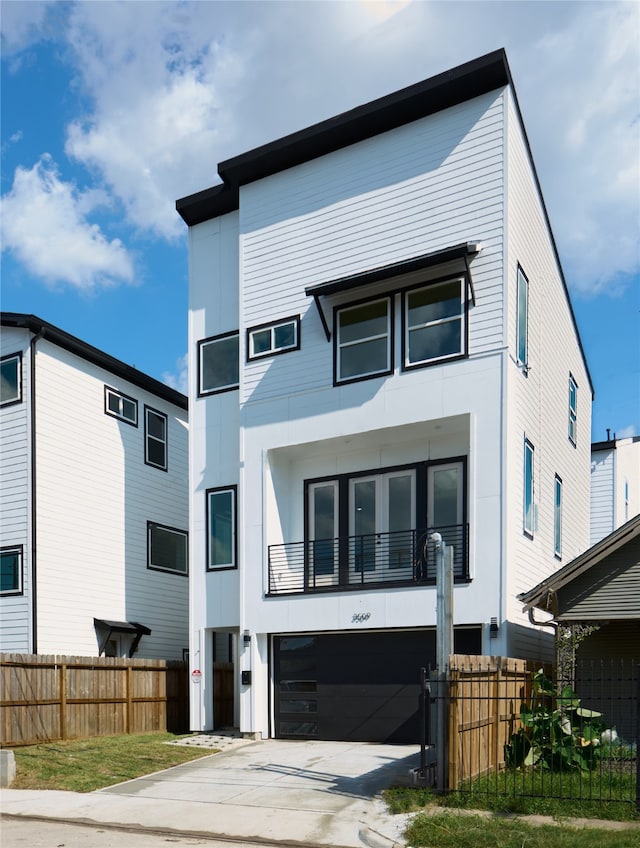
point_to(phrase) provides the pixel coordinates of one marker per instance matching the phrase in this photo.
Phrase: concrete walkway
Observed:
(275, 791)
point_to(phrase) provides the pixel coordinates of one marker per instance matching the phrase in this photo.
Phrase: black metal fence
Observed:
(524, 734)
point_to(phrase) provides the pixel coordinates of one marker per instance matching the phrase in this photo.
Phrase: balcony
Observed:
(376, 561)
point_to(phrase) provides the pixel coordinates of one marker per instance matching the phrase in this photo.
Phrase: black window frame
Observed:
(461, 278)
(233, 489)
(177, 531)
(19, 551)
(202, 343)
(148, 436)
(273, 325)
(120, 417)
(389, 297)
(18, 358)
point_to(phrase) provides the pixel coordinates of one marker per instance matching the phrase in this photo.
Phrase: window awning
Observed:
(110, 627)
(464, 251)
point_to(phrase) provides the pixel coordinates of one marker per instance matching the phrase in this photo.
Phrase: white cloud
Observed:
(45, 227)
(178, 379)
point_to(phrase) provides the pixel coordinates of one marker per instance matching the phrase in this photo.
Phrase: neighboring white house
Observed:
(382, 346)
(94, 505)
(615, 484)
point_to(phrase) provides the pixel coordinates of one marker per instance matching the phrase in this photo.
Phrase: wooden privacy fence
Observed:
(46, 698)
(485, 694)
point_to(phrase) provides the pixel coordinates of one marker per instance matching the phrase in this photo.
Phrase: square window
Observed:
(573, 410)
(155, 441)
(221, 528)
(219, 365)
(269, 339)
(10, 379)
(11, 570)
(120, 406)
(166, 548)
(435, 323)
(363, 341)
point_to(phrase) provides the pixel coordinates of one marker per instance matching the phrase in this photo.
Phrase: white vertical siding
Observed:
(538, 402)
(95, 495)
(602, 492)
(15, 497)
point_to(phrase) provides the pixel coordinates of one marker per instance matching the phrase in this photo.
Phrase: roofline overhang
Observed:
(53, 334)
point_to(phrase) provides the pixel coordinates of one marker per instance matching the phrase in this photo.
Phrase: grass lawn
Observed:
(83, 765)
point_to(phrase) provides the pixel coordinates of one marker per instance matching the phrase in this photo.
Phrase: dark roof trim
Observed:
(542, 596)
(599, 446)
(92, 354)
(388, 272)
(442, 91)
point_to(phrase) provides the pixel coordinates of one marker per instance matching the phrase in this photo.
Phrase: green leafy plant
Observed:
(560, 737)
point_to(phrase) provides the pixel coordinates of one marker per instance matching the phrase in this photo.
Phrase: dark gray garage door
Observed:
(358, 687)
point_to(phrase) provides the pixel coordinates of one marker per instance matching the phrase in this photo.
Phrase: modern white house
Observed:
(382, 346)
(94, 500)
(615, 484)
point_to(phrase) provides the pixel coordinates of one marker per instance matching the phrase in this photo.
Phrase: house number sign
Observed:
(360, 617)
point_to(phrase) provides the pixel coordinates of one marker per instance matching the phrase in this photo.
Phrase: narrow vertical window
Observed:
(221, 528)
(522, 329)
(528, 488)
(155, 441)
(557, 517)
(573, 410)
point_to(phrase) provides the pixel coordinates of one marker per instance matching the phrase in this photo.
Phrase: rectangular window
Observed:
(573, 410)
(269, 339)
(155, 438)
(11, 379)
(434, 323)
(219, 363)
(528, 488)
(11, 570)
(221, 528)
(557, 517)
(120, 406)
(363, 341)
(166, 548)
(522, 328)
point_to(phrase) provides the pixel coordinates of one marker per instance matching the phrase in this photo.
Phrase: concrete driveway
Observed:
(283, 792)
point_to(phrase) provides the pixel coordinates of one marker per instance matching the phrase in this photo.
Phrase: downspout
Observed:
(34, 535)
(552, 624)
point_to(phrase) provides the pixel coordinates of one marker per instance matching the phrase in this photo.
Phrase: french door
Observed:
(445, 507)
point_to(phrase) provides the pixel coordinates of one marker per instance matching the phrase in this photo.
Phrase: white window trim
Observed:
(8, 401)
(557, 516)
(182, 533)
(528, 489)
(205, 343)
(573, 410)
(461, 317)
(522, 284)
(340, 346)
(120, 397)
(271, 328)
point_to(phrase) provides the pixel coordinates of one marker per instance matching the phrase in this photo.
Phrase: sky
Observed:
(113, 110)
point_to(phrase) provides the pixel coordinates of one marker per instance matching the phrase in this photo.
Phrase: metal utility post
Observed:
(444, 649)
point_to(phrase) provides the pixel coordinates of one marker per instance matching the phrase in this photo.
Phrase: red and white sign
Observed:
(196, 675)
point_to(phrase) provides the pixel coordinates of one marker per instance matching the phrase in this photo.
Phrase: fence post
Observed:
(63, 700)
(129, 724)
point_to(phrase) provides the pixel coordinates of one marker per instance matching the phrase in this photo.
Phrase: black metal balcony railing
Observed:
(406, 558)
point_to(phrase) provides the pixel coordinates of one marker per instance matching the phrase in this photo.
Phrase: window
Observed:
(269, 339)
(155, 438)
(120, 406)
(434, 323)
(626, 500)
(11, 570)
(166, 548)
(573, 410)
(11, 379)
(522, 329)
(221, 528)
(528, 488)
(363, 341)
(557, 517)
(219, 364)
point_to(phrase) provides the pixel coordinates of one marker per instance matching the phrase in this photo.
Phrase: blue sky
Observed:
(112, 110)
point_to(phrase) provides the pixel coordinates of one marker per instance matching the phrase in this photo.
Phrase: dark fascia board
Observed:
(386, 113)
(207, 204)
(418, 263)
(600, 446)
(92, 354)
(540, 594)
(449, 88)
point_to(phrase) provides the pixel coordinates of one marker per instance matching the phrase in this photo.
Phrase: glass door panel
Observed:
(400, 513)
(365, 513)
(445, 512)
(323, 534)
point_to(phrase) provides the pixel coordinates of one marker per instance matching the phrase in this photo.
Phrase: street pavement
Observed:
(274, 791)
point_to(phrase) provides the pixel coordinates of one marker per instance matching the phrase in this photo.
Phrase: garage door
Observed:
(359, 687)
